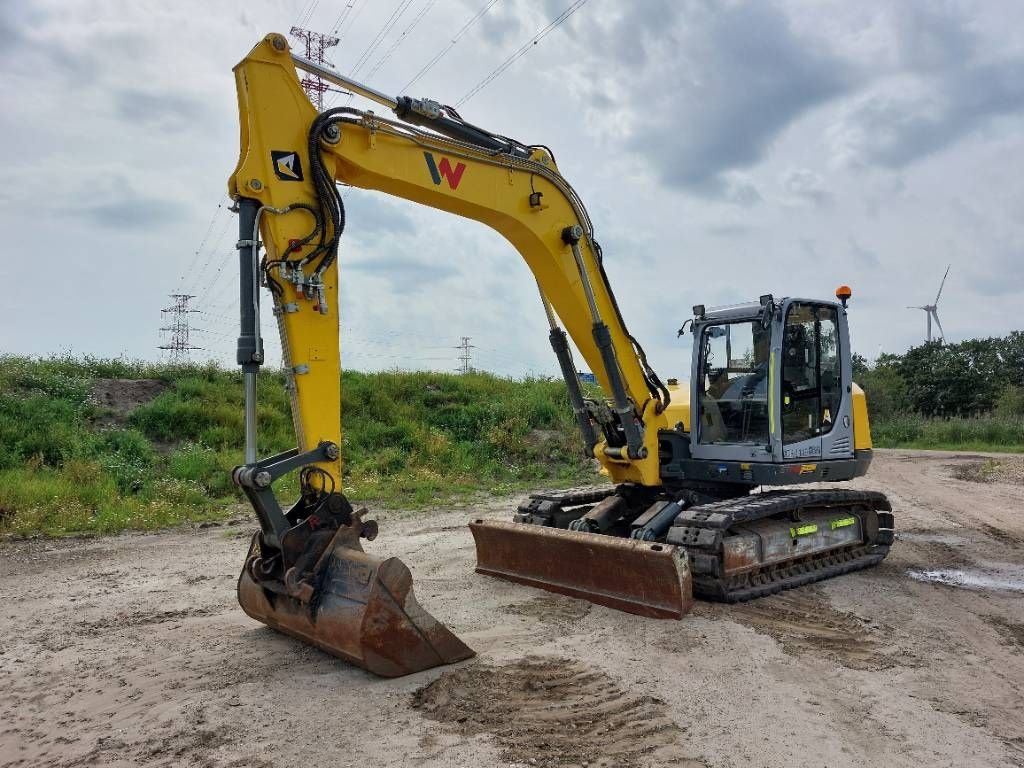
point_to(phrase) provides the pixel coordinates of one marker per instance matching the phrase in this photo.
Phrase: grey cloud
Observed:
(172, 112)
(503, 25)
(733, 190)
(729, 230)
(405, 274)
(863, 257)
(804, 185)
(31, 47)
(931, 36)
(369, 216)
(28, 51)
(736, 77)
(1002, 274)
(951, 87)
(132, 212)
(809, 248)
(10, 29)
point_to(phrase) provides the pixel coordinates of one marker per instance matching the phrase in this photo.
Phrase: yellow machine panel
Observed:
(861, 424)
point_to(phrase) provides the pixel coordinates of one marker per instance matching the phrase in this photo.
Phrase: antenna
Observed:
(465, 357)
(932, 310)
(316, 46)
(178, 345)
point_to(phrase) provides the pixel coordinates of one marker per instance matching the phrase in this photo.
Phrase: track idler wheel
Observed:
(353, 605)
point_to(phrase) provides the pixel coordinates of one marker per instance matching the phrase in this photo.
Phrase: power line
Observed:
(202, 243)
(443, 52)
(344, 16)
(398, 41)
(197, 278)
(521, 51)
(216, 278)
(374, 44)
(306, 15)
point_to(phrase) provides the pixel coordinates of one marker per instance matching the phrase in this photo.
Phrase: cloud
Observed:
(810, 249)
(729, 230)
(1001, 274)
(702, 135)
(172, 112)
(948, 86)
(733, 188)
(803, 185)
(503, 26)
(723, 82)
(862, 257)
(405, 274)
(371, 216)
(130, 212)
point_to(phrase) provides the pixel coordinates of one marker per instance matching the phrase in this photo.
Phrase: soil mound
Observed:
(122, 396)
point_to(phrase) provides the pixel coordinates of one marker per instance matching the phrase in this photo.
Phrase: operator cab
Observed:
(771, 385)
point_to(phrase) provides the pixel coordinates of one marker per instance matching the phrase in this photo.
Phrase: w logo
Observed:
(452, 175)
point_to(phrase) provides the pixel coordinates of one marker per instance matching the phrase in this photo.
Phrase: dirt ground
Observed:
(132, 651)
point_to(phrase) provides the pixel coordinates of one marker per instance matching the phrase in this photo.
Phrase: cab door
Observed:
(813, 398)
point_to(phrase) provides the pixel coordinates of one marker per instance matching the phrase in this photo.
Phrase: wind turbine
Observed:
(932, 310)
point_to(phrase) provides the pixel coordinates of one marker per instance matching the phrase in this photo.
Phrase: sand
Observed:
(131, 650)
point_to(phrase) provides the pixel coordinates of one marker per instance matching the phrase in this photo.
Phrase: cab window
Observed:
(733, 383)
(811, 375)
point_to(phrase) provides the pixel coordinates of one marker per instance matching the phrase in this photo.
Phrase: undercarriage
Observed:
(731, 549)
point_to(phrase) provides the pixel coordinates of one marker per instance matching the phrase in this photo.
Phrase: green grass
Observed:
(67, 465)
(979, 433)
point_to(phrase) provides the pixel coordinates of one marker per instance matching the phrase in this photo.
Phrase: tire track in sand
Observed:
(549, 712)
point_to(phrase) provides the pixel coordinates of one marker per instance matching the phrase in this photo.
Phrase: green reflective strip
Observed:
(803, 530)
(843, 522)
(771, 395)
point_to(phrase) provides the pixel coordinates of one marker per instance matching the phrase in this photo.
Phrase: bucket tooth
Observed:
(355, 606)
(639, 577)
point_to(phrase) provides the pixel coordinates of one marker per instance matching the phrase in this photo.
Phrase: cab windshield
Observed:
(733, 383)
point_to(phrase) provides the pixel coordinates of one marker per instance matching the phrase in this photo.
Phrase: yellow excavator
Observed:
(771, 401)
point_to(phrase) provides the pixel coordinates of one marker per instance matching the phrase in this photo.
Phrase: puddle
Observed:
(949, 539)
(1000, 576)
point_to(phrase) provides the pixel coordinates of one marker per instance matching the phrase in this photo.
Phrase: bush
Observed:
(1011, 402)
(886, 392)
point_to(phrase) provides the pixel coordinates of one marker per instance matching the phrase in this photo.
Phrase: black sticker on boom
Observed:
(287, 166)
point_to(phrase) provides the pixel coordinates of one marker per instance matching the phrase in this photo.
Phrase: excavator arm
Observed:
(306, 573)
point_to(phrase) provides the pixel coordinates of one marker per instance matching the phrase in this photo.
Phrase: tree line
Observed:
(971, 378)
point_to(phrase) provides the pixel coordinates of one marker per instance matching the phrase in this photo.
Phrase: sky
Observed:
(724, 150)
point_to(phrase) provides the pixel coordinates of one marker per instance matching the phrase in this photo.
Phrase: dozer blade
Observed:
(638, 577)
(355, 606)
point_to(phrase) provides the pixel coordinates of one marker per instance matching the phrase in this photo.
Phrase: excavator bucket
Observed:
(355, 606)
(640, 577)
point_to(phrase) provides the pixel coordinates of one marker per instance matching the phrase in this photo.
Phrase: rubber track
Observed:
(781, 576)
(758, 506)
(777, 578)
